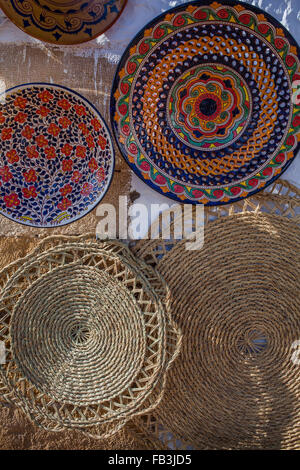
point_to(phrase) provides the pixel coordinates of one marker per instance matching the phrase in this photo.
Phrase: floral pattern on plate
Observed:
(56, 155)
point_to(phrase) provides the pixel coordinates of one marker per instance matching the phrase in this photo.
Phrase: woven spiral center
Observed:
(78, 335)
(253, 342)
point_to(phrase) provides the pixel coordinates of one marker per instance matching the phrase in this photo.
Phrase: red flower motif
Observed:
(11, 200)
(2, 118)
(253, 182)
(67, 150)
(64, 204)
(64, 104)
(131, 68)
(160, 180)
(50, 153)
(67, 165)
(197, 194)
(30, 176)
(43, 111)
(126, 129)
(93, 165)
(53, 129)
(143, 48)
(20, 102)
(90, 141)
(145, 166)
(124, 86)
(218, 193)
(5, 174)
(29, 192)
(245, 19)
(28, 132)
(32, 151)
(123, 109)
(80, 151)
(235, 190)
(223, 13)
(6, 133)
(178, 189)
(263, 28)
(12, 156)
(83, 128)
(267, 171)
(41, 141)
(102, 142)
(80, 110)
(158, 33)
(290, 60)
(279, 43)
(296, 121)
(87, 188)
(21, 117)
(179, 21)
(96, 124)
(45, 96)
(64, 122)
(76, 177)
(280, 158)
(100, 175)
(290, 141)
(67, 189)
(133, 148)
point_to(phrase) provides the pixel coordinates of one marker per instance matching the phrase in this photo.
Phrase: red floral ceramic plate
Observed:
(57, 157)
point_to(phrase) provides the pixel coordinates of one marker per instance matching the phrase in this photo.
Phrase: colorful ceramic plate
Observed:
(63, 22)
(204, 103)
(56, 155)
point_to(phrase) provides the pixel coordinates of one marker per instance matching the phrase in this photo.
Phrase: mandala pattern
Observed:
(56, 159)
(68, 22)
(209, 106)
(205, 106)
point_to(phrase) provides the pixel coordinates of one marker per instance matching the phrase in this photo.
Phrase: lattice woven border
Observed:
(64, 254)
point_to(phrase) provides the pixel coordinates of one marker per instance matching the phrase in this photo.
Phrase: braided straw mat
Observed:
(236, 300)
(94, 346)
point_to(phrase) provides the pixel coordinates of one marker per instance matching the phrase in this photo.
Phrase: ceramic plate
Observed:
(57, 157)
(63, 22)
(204, 104)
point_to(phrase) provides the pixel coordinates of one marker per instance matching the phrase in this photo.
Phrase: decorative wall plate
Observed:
(204, 104)
(56, 155)
(63, 22)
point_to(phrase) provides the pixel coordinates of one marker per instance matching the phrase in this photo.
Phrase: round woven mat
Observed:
(96, 341)
(236, 383)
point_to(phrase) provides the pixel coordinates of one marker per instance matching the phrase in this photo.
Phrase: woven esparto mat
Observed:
(97, 340)
(236, 382)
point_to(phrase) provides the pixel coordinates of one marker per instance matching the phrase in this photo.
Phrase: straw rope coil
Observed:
(88, 340)
(236, 383)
